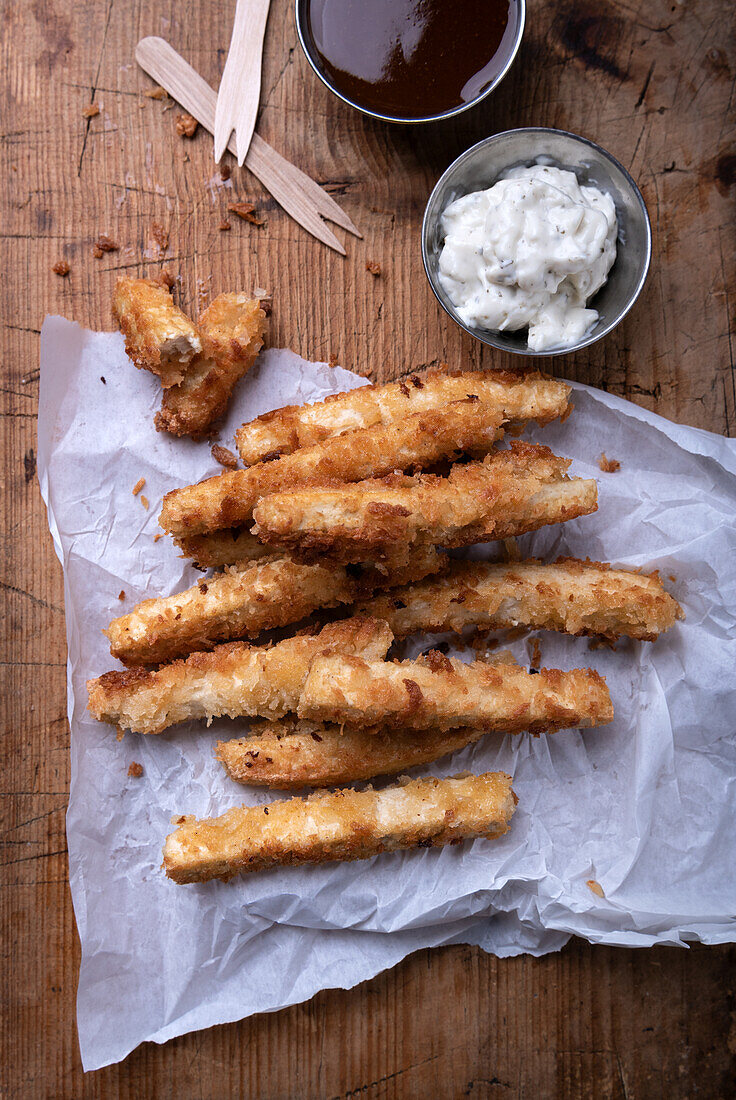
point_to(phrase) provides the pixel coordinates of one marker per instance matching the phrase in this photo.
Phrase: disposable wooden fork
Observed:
(240, 87)
(302, 198)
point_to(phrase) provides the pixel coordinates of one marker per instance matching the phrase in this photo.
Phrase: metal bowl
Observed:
(480, 166)
(507, 51)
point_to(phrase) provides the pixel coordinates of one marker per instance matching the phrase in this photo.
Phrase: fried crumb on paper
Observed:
(608, 465)
(595, 887)
(121, 594)
(144, 502)
(138, 486)
(224, 456)
(135, 770)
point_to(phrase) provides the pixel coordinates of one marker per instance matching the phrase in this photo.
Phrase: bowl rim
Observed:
(303, 41)
(484, 335)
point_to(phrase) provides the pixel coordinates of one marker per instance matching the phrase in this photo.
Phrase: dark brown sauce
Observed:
(412, 58)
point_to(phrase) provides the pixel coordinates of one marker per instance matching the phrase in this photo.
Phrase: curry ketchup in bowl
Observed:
(410, 60)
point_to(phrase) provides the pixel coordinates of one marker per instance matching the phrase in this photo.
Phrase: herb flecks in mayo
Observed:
(530, 251)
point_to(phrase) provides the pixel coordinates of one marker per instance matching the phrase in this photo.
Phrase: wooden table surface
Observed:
(652, 82)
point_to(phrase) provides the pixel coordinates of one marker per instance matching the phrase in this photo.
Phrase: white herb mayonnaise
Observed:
(529, 251)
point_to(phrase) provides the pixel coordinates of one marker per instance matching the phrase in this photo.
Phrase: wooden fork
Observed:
(240, 87)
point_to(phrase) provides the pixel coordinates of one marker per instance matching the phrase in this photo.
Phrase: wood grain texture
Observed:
(653, 82)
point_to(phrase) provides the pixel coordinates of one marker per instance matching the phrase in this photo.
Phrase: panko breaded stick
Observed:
(342, 825)
(512, 396)
(228, 500)
(439, 693)
(575, 597)
(287, 755)
(234, 680)
(241, 603)
(509, 493)
(232, 331)
(230, 546)
(158, 336)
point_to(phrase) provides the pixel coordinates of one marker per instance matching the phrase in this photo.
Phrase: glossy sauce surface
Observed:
(412, 58)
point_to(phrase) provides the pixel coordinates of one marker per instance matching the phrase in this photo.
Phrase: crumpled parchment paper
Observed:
(645, 807)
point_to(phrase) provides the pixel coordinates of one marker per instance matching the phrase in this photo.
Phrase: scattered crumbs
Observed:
(103, 380)
(104, 244)
(373, 267)
(224, 456)
(225, 171)
(160, 535)
(138, 486)
(135, 770)
(61, 267)
(246, 211)
(595, 887)
(155, 93)
(511, 547)
(536, 653)
(332, 361)
(144, 502)
(608, 465)
(160, 238)
(121, 594)
(186, 125)
(224, 227)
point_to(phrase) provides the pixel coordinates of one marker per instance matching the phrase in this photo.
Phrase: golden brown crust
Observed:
(576, 597)
(290, 754)
(234, 679)
(418, 441)
(229, 546)
(510, 492)
(420, 695)
(232, 331)
(243, 602)
(158, 336)
(512, 396)
(341, 825)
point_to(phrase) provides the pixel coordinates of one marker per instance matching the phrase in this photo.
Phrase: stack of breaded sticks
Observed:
(352, 503)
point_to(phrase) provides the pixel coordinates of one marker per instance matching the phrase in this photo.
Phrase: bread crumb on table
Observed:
(186, 125)
(104, 244)
(61, 267)
(155, 93)
(160, 237)
(224, 456)
(224, 227)
(138, 486)
(246, 211)
(373, 267)
(332, 361)
(91, 111)
(135, 770)
(608, 465)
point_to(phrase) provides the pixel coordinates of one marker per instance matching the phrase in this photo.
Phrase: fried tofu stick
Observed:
(230, 546)
(228, 500)
(287, 755)
(241, 603)
(439, 693)
(512, 396)
(158, 336)
(342, 825)
(575, 597)
(511, 492)
(235, 680)
(232, 330)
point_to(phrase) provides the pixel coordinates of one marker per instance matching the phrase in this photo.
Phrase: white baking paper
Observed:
(645, 807)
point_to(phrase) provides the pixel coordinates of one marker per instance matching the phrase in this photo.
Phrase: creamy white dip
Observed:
(530, 251)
